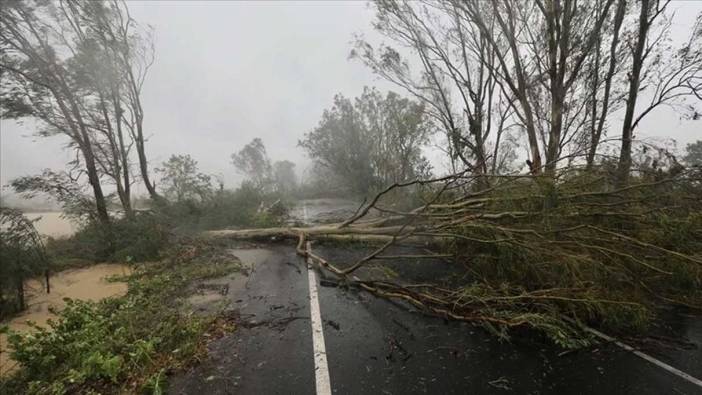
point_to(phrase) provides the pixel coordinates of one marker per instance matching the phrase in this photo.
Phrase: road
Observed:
(374, 346)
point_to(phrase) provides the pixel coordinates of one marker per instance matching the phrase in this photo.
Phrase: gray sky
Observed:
(227, 72)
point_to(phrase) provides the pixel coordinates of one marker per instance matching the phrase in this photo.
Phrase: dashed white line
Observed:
(321, 369)
(657, 362)
(323, 384)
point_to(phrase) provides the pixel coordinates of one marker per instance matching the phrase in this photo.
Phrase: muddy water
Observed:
(85, 284)
(52, 224)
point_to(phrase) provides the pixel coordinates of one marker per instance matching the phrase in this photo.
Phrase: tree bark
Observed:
(624, 167)
(597, 133)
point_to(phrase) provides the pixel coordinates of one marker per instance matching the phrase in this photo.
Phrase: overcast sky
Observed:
(227, 72)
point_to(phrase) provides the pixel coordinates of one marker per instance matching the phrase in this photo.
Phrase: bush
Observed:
(224, 209)
(138, 238)
(120, 344)
(22, 256)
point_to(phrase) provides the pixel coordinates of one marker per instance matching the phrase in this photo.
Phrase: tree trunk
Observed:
(20, 293)
(124, 157)
(597, 135)
(634, 80)
(144, 167)
(94, 180)
(139, 137)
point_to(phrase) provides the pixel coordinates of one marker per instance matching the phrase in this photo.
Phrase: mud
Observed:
(89, 283)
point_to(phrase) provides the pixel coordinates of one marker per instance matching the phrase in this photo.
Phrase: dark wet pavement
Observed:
(378, 347)
(271, 350)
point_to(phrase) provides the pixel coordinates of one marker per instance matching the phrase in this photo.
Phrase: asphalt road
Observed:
(376, 347)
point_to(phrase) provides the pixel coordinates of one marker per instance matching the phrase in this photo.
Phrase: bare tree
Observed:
(668, 76)
(456, 62)
(545, 77)
(602, 101)
(485, 53)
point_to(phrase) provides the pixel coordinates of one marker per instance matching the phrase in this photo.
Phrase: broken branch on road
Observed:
(533, 251)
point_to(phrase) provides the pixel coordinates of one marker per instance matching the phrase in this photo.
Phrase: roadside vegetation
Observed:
(129, 343)
(552, 211)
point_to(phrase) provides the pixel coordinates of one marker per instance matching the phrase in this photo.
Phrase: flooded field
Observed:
(52, 224)
(88, 283)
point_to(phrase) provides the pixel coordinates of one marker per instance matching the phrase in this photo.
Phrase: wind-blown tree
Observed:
(544, 75)
(64, 188)
(371, 142)
(284, 177)
(66, 65)
(693, 154)
(116, 56)
(181, 180)
(38, 81)
(130, 50)
(253, 162)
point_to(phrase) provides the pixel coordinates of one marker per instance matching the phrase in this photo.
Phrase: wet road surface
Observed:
(375, 346)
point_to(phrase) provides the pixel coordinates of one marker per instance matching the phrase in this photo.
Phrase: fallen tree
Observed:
(533, 251)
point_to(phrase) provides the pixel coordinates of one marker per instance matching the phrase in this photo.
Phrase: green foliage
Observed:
(693, 155)
(181, 181)
(119, 343)
(284, 177)
(63, 188)
(371, 142)
(140, 237)
(226, 208)
(551, 253)
(22, 255)
(253, 162)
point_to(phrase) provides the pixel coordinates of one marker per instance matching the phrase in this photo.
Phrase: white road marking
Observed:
(321, 369)
(320, 354)
(647, 357)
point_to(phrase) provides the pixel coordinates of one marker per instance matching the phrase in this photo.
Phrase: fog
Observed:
(226, 72)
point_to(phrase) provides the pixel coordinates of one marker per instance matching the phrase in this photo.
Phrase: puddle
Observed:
(85, 284)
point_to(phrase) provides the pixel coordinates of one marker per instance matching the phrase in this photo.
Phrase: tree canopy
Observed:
(371, 141)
